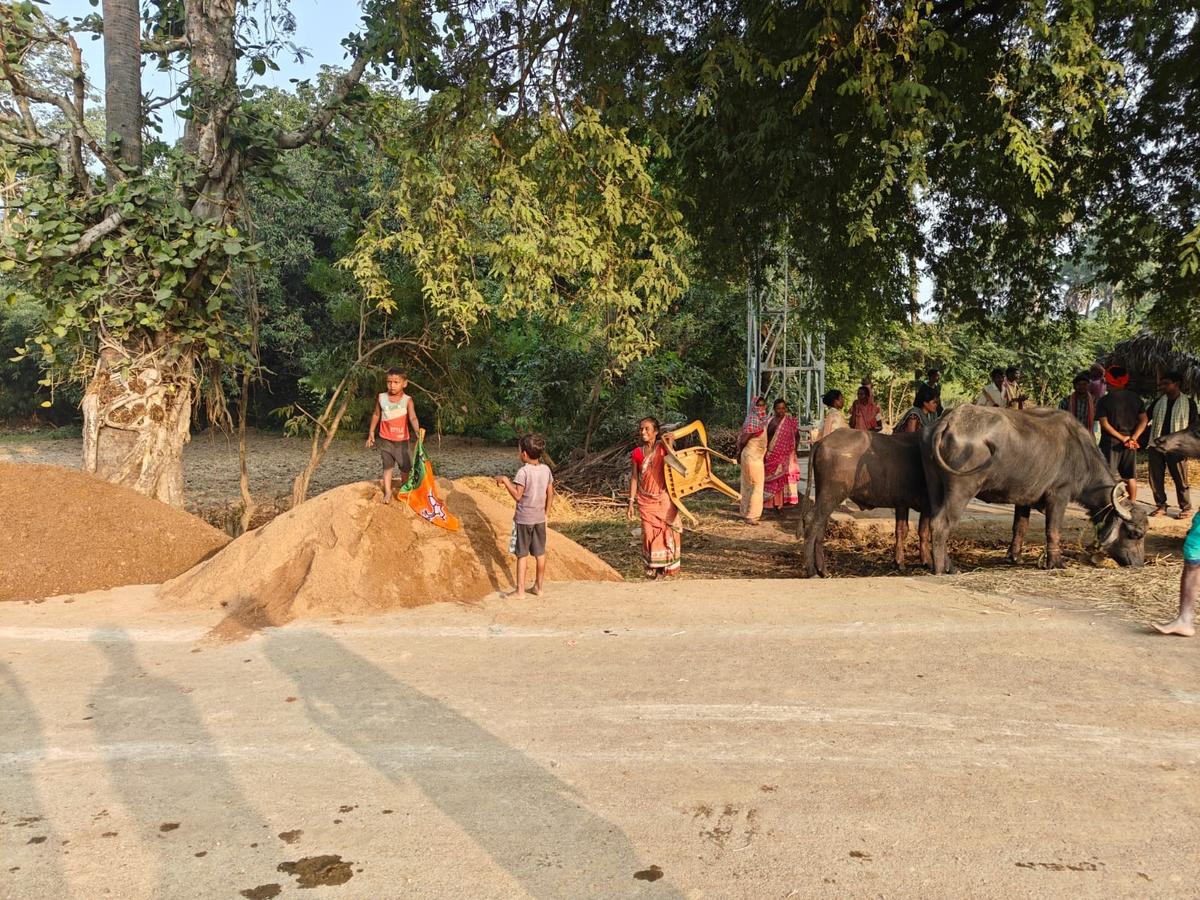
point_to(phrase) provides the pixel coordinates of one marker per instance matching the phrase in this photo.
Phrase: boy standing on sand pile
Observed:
(396, 418)
(533, 489)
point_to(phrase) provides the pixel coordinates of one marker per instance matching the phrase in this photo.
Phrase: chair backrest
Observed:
(698, 472)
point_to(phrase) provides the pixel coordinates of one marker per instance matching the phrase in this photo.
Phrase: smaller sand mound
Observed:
(66, 532)
(344, 552)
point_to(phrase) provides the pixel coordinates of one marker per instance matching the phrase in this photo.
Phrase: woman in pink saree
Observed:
(662, 530)
(780, 465)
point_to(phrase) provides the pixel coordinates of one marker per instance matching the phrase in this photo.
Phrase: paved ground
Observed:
(897, 737)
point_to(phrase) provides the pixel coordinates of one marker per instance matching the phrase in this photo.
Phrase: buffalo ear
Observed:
(1120, 501)
(1106, 535)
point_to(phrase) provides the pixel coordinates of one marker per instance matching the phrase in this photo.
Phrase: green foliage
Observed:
(571, 228)
(1049, 353)
(162, 272)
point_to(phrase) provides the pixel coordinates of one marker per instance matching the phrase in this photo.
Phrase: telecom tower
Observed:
(783, 358)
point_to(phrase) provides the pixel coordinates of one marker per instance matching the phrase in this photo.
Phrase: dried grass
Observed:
(719, 548)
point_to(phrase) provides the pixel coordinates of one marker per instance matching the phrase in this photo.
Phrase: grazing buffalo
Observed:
(1181, 443)
(1036, 459)
(873, 470)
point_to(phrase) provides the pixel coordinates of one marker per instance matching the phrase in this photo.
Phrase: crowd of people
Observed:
(768, 448)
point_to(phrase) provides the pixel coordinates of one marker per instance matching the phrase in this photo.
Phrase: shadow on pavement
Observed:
(167, 771)
(532, 824)
(29, 844)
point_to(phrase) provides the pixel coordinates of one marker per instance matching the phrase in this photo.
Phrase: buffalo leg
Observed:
(901, 535)
(1020, 526)
(814, 531)
(954, 500)
(1055, 509)
(923, 537)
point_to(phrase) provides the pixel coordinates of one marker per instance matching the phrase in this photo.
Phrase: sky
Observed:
(320, 27)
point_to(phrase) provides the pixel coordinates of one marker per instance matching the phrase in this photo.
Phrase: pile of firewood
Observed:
(604, 473)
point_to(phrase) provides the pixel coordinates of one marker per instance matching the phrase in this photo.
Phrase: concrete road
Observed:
(874, 738)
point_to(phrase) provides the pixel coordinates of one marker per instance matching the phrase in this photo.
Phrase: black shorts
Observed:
(394, 453)
(530, 540)
(1121, 460)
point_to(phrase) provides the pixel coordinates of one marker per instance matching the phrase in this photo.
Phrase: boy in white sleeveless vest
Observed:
(395, 417)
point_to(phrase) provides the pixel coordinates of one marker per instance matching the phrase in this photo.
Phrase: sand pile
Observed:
(343, 552)
(564, 509)
(65, 532)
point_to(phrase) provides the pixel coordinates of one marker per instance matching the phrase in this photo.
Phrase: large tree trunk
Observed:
(213, 70)
(123, 78)
(136, 415)
(137, 408)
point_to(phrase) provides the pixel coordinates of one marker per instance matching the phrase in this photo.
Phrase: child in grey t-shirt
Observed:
(533, 489)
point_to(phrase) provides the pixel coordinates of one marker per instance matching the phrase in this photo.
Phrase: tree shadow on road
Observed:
(532, 824)
(29, 844)
(167, 770)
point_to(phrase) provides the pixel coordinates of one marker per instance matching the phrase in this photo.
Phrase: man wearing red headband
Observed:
(1122, 417)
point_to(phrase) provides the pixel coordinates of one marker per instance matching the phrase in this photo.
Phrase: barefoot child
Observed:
(396, 417)
(1189, 585)
(533, 489)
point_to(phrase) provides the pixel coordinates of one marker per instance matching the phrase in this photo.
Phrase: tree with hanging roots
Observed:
(135, 257)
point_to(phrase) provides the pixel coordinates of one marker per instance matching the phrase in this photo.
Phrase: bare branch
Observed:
(165, 46)
(105, 226)
(19, 140)
(164, 101)
(290, 140)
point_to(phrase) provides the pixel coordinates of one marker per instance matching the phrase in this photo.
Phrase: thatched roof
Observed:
(1148, 356)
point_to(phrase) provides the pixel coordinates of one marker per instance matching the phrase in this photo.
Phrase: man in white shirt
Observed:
(994, 393)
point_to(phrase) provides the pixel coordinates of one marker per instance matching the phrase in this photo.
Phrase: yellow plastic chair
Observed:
(689, 470)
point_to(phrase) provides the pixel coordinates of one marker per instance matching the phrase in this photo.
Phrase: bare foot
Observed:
(1185, 513)
(387, 498)
(1180, 626)
(1158, 511)
(513, 595)
(536, 590)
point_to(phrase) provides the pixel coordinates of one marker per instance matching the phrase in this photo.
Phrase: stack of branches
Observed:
(600, 476)
(604, 475)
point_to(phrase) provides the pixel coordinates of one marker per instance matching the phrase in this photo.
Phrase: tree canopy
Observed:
(587, 181)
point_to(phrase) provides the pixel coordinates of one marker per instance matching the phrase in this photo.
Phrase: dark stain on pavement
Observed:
(651, 874)
(290, 837)
(318, 871)
(262, 892)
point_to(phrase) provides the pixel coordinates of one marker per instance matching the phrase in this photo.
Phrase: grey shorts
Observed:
(529, 540)
(394, 453)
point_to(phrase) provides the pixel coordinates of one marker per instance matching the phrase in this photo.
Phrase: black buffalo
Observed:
(873, 470)
(1181, 443)
(1035, 459)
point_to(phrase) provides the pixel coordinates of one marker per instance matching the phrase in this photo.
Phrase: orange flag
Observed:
(422, 497)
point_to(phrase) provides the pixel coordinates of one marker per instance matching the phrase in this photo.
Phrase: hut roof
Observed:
(1148, 356)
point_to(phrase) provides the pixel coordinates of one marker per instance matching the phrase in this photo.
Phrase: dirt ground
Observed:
(720, 545)
(211, 465)
(869, 737)
(1004, 732)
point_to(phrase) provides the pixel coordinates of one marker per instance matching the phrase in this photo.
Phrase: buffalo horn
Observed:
(1120, 501)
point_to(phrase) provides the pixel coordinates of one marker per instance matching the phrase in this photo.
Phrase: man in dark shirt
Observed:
(1122, 417)
(1171, 412)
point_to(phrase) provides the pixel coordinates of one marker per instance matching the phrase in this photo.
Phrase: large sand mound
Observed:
(63, 531)
(344, 552)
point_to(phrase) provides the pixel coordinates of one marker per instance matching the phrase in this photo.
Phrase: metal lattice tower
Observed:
(783, 358)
